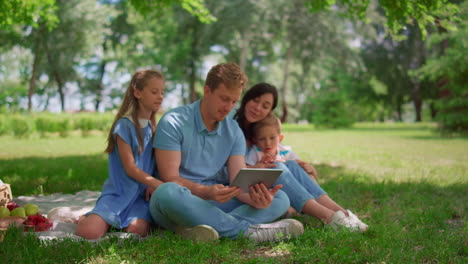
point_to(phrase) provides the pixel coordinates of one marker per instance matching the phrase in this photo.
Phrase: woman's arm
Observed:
(309, 169)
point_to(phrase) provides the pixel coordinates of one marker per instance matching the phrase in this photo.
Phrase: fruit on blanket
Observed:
(37, 223)
(12, 205)
(31, 209)
(19, 211)
(4, 212)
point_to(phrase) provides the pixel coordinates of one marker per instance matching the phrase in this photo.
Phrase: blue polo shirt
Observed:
(204, 153)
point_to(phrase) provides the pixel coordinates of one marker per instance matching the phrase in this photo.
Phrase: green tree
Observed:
(26, 12)
(448, 67)
(399, 13)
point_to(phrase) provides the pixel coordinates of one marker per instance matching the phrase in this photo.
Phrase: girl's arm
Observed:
(128, 161)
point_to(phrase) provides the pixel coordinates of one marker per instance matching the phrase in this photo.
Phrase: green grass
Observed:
(403, 180)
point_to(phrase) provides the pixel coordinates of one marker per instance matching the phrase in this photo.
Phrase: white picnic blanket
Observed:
(64, 210)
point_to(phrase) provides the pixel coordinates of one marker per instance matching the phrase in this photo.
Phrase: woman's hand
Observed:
(260, 196)
(309, 169)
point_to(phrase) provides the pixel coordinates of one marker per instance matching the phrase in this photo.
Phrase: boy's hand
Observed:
(221, 193)
(261, 165)
(268, 158)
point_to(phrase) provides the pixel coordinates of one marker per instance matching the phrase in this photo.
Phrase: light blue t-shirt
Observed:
(204, 153)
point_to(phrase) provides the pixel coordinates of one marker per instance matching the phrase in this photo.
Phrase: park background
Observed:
(372, 93)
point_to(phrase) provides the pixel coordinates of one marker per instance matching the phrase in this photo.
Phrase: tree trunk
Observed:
(399, 113)
(100, 85)
(32, 81)
(417, 102)
(57, 78)
(433, 111)
(193, 61)
(284, 86)
(244, 48)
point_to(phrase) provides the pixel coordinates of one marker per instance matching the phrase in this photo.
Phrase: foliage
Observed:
(330, 109)
(20, 12)
(194, 7)
(21, 126)
(449, 69)
(399, 13)
(47, 123)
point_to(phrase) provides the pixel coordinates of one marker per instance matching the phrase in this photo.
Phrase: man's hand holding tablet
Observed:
(250, 176)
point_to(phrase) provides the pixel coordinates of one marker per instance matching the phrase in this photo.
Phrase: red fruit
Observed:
(42, 226)
(12, 205)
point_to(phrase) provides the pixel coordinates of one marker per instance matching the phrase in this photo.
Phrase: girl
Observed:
(123, 202)
(305, 194)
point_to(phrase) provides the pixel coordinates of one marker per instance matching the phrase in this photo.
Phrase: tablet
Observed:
(249, 176)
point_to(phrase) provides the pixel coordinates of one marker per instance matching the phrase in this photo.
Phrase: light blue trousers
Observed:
(172, 205)
(297, 184)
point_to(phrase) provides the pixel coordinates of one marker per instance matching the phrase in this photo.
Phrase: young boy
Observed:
(267, 137)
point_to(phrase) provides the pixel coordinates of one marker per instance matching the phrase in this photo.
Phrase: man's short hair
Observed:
(229, 74)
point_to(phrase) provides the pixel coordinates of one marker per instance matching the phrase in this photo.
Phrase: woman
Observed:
(305, 194)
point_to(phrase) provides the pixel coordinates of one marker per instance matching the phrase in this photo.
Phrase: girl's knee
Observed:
(91, 227)
(139, 227)
(89, 232)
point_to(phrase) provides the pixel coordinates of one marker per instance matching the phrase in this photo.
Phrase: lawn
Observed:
(405, 181)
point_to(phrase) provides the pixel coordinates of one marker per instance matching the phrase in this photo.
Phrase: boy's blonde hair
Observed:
(269, 120)
(229, 74)
(130, 106)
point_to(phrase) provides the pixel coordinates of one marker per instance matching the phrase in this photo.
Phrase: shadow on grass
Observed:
(410, 222)
(366, 195)
(67, 174)
(438, 136)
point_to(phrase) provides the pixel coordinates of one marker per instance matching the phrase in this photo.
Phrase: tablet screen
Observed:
(250, 176)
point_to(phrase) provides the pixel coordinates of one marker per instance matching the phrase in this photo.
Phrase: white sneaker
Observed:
(280, 230)
(339, 219)
(199, 233)
(362, 227)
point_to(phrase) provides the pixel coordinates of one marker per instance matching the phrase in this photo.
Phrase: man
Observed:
(192, 144)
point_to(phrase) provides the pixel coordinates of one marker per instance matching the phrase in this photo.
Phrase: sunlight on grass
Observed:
(399, 155)
(407, 183)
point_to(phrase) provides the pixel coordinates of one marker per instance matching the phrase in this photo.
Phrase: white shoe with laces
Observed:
(362, 227)
(198, 233)
(280, 230)
(339, 219)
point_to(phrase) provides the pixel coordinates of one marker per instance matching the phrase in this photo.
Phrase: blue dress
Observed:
(123, 198)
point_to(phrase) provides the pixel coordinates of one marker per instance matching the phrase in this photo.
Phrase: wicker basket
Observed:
(5, 194)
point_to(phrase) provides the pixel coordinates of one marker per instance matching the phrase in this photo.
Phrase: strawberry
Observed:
(12, 205)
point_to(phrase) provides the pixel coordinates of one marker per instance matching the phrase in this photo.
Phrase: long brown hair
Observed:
(130, 106)
(257, 90)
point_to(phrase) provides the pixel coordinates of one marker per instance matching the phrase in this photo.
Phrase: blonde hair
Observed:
(228, 74)
(130, 106)
(269, 121)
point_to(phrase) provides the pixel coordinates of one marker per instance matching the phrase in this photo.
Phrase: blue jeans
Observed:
(172, 205)
(297, 184)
